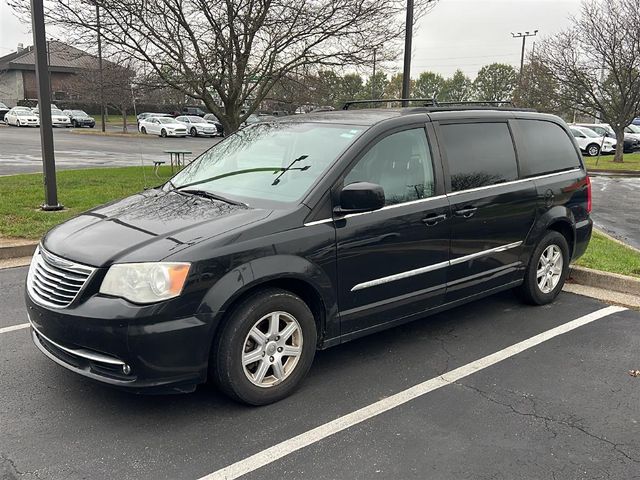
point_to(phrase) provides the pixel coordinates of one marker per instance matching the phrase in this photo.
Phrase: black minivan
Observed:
(303, 233)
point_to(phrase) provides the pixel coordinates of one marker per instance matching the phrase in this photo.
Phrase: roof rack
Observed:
(427, 102)
(433, 105)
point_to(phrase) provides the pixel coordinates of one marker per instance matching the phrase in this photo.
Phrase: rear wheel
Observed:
(265, 348)
(593, 150)
(547, 270)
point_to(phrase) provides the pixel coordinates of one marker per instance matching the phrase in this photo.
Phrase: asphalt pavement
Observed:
(616, 207)
(20, 150)
(565, 408)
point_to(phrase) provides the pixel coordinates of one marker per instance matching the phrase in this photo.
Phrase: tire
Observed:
(593, 150)
(193, 132)
(533, 290)
(163, 133)
(257, 383)
(143, 130)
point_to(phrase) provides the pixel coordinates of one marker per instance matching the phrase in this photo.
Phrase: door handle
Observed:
(466, 212)
(434, 219)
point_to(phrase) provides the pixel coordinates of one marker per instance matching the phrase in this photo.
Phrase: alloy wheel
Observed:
(549, 270)
(272, 349)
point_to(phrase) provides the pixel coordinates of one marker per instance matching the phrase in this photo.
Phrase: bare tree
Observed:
(597, 63)
(236, 50)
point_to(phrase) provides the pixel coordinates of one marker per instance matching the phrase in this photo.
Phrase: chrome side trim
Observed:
(435, 266)
(400, 276)
(466, 258)
(318, 222)
(514, 182)
(93, 356)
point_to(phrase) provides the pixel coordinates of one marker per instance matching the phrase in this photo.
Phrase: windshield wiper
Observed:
(290, 167)
(213, 196)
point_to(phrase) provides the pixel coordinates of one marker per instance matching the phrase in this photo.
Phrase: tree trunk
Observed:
(618, 158)
(124, 120)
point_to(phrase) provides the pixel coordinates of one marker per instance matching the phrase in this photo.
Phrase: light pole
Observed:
(408, 37)
(523, 36)
(102, 116)
(44, 108)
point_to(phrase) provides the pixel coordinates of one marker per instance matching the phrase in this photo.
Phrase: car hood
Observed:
(149, 226)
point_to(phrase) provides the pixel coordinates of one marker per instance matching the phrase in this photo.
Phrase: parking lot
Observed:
(20, 149)
(559, 406)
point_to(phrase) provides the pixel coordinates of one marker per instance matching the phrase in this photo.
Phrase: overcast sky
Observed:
(457, 33)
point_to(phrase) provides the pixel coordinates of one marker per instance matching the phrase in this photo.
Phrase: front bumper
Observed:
(124, 345)
(176, 133)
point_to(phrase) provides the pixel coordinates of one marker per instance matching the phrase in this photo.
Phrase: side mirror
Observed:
(360, 197)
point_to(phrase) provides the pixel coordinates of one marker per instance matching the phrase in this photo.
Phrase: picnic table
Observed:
(177, 156)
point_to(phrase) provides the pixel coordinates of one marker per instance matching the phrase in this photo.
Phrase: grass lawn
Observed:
(78, 190)
(117, 119)
(604, 254)
(631, 162)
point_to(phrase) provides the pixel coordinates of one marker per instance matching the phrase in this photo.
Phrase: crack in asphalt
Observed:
(570, 422)
(13, 472)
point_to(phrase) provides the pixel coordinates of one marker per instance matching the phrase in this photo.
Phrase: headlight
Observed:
(145, 282)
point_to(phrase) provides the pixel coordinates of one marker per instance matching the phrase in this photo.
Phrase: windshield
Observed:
(166, 120)
(2, 105)
(634, 128)
(56, 112)
(23, 113)
(195, 119)
(79, 113)
(277, 162)
(589, 133)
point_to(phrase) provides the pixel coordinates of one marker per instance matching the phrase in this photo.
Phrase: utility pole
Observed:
(44, 107)
(523, 36)
(102, 116)
(408, 37)
(373, 77)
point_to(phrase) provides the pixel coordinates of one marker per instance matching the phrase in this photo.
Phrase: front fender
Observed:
(261, 271)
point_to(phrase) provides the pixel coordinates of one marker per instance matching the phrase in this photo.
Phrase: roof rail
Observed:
(479, 103)
(427, 102)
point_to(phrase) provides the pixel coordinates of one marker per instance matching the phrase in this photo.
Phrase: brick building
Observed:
(18, 76)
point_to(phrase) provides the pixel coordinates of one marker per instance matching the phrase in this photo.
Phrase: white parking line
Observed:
(314, 435)
(14, 327)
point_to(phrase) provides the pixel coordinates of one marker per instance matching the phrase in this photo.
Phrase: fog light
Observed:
(126, 369)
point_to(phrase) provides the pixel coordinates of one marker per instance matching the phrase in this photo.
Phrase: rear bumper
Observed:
(583, 236)
(143, 354)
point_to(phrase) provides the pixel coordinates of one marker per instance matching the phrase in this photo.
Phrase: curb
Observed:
(25, 249)
(108, 134)
(613, 173)
(605, 280)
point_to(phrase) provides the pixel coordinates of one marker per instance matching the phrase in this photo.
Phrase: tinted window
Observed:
(401, 164)
(548, 148)
(479, 154)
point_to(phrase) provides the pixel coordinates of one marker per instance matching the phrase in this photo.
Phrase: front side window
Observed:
(400, 164)
(479, 154)
(269, 161)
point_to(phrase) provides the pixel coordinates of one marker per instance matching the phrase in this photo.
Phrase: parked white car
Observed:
(21, 117)
(163, 126)
(633, 131)
(590, 142)
(59, 119)
(197, 125)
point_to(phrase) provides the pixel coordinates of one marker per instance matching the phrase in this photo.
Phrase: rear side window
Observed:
(548, 148)
(479, 154)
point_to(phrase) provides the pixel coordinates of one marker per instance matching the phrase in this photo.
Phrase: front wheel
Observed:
(143, 130)
(593, 150)
(265, 348)
(194, 132)
(547, 270)
(163, 133)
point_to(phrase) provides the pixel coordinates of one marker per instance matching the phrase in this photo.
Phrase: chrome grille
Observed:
(54, 281)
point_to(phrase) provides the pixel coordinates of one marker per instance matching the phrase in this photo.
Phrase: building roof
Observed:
(62, 58)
